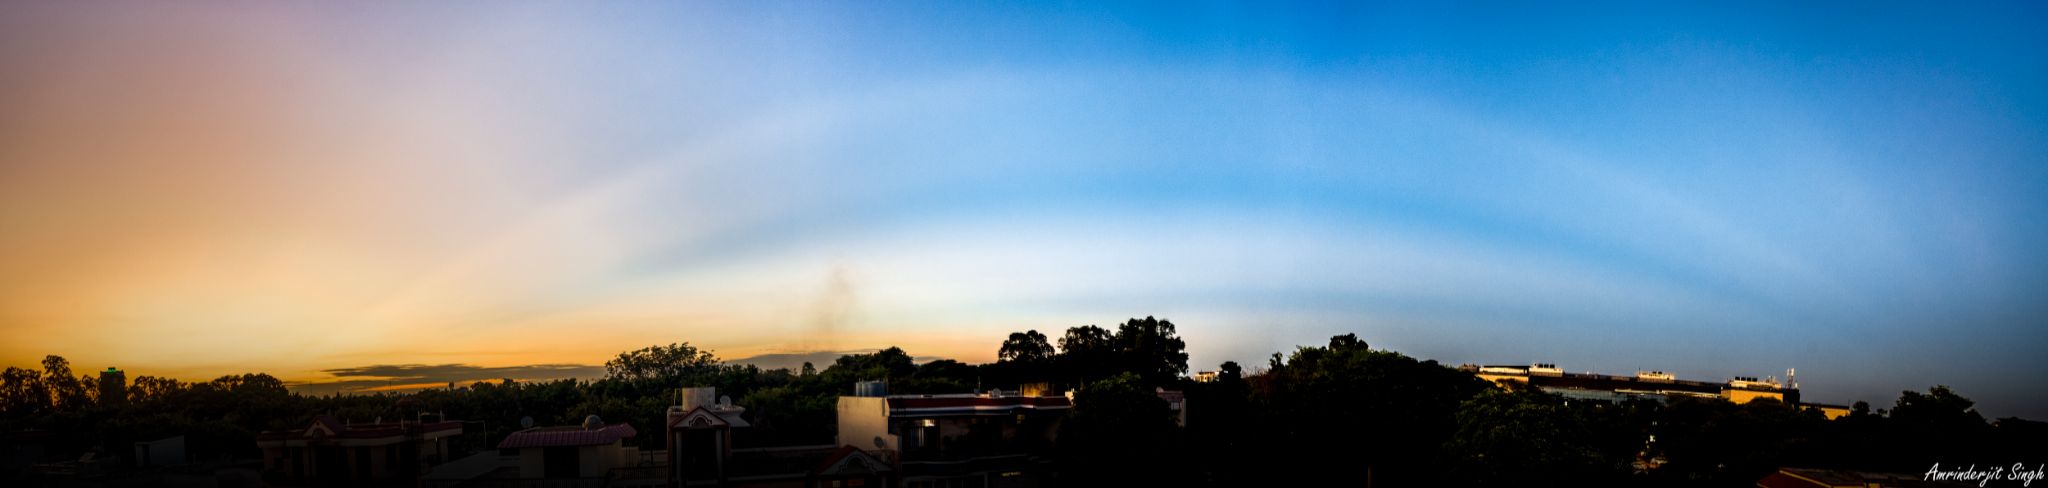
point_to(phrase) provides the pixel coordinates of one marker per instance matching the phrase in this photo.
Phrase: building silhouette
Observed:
(995, 438)
(330, 450)
(588, 451)
(1656, 386)
(113, 386)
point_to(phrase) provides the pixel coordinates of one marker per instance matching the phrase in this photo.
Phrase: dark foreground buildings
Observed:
(993, 439)
(331, 451)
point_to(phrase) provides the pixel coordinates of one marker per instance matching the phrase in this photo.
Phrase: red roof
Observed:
(843, 452)
(332, 424)
(567, 436)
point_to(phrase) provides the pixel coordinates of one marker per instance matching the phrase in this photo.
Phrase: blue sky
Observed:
(1853, 190)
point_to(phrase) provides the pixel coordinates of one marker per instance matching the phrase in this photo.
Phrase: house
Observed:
(331, 450)
(1644, 385)
(700, 435)
(585, 452)
(850, 467)
(1830, 411)
(986, 439)
(1176, 402)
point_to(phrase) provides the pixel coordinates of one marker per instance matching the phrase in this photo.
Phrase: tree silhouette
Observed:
(1028, 347)
(1024, 358)
(1118, 435)
(1230, 372)
(67, 391)
(1084, 351)
(879, 365)
(1334, 396)
(1529, 438)
(1151, 348)
(660, 363)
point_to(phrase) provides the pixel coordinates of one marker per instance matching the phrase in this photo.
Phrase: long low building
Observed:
(1644, 385)
(988, 439)
(589, 451)
(332, 450)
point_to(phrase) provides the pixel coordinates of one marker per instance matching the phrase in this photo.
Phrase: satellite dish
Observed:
(724, 401)
(881, 444)
(526, 422)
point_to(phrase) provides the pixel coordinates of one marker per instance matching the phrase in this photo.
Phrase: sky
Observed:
(377, 195)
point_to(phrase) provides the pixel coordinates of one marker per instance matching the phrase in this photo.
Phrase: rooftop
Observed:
(567, 436)
(725, 415)
(328, 426)
(972, 404)
(1643, 380)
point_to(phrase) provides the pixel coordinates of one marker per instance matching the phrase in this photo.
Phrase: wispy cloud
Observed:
(385, 377)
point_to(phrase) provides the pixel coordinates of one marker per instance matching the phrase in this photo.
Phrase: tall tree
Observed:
(1230, 372)
(22, 392)
(1028, 347)
(661, 363)
(1086, 351)
(1324, 396)
(1120, 434)
(1936, 423)
(885, 364)
(1347, 342)
(1026, 357)
(1939, 408)
(65, 389)
(1086, 339)
(1151, 348)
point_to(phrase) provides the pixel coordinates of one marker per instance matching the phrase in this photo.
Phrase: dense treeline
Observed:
(1340, 414)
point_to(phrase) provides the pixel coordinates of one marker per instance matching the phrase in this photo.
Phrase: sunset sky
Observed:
(331, 191)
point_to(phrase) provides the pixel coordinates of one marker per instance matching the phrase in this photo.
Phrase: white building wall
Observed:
(862, 420)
